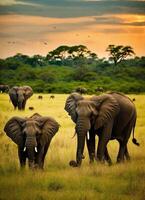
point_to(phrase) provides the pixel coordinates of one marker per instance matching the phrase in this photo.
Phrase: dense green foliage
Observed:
(72, 67)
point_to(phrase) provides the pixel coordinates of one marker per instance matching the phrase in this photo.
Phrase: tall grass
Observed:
(59, 181)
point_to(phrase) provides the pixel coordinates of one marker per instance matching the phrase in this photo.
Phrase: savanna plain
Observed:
(59, 181)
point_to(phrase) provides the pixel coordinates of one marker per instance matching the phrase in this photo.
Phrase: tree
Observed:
(79, 51)
(71, 54)
(119, 53)
(59, 53)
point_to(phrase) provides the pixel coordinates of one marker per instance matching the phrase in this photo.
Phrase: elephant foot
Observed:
(73, 163)
(119, 160)
(102, 161)
(38, 166)
(91, 161)
(110, 163)
(128, 158)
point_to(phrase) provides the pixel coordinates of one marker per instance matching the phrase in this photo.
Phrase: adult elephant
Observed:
(99, 89)
(19, 96)
(81, 90)
(4, 88)
(33, 136)
(110, 116)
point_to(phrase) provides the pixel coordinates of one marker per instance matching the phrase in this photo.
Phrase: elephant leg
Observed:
(123, 151)
(41, 156)
(22, 157)
(91, 145)
(127, 154)
(23, 105)
(107, 157)
(104, 138)
(38, 160)
(44, 154)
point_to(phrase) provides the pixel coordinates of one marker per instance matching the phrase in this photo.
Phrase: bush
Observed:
(126, 77)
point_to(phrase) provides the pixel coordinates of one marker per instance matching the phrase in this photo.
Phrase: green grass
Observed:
(59, 181)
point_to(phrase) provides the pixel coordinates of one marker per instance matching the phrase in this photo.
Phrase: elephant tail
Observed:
(134, 140)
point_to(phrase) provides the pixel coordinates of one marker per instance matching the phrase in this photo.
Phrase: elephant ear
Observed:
(71, 104)
(107, 107)
(13, 129)
(28, 91)
(13, 94)
(49, 128)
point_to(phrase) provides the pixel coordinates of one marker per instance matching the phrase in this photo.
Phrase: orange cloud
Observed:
(38, 35)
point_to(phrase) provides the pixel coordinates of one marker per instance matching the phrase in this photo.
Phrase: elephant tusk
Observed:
(88, 135)
(36, 150)
(24, 149)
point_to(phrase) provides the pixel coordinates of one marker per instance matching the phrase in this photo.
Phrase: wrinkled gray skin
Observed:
(110, 116)
(19, 96)
(33, 136)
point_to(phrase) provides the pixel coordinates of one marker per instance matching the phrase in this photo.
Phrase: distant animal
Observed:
(4, 88)
(99, 89)
(52, 97)
(19, 96)
(33, 136)
(40, 97)
(133, 99)
(81, 90)
(110, 116)
(31, 108)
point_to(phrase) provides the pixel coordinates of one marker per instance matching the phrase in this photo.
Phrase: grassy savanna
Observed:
(58, 180)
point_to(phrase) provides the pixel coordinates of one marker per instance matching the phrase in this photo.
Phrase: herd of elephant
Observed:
(109, 116)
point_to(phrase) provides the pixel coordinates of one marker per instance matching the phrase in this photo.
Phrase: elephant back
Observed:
(124, 101)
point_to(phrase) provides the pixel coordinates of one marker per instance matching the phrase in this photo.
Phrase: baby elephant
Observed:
(33, 136)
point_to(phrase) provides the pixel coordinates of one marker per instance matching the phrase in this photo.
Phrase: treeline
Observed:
(65, 68)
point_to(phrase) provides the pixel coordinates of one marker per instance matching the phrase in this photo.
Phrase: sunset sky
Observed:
(38, 26)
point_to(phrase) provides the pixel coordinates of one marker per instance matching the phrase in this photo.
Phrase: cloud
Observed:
(27, 24)
(67, 9)
(126, 19)
(33, 28)
(14, 2)
(108, 0)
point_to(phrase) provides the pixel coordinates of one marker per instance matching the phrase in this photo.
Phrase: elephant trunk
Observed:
(82, 127)
(20, 105)
(31, 148)
(20, 101)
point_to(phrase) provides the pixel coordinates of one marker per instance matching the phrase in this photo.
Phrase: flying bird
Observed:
(11, 42)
